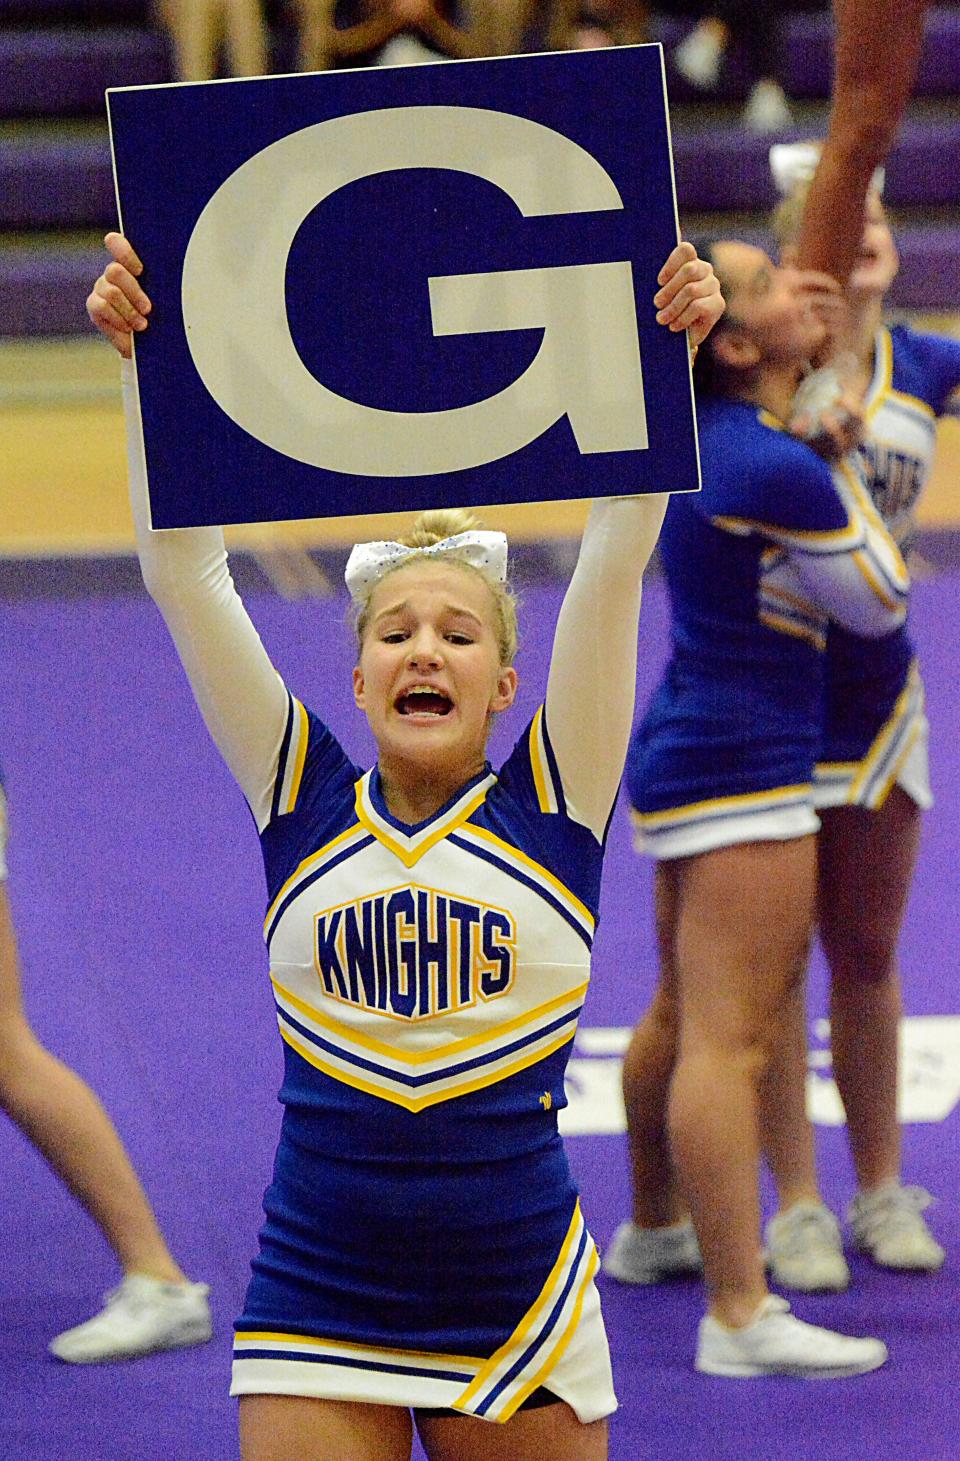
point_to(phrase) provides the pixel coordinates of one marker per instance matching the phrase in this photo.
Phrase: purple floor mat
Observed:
(137, 890)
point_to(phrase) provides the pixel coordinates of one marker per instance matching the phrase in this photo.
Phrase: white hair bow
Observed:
(368, 562)
(796, 162)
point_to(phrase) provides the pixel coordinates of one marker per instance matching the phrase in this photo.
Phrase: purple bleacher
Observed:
(65, 71)
(808, 57)
(75, 12)
(51, 180)
(68, 182)
(52, 183)
(939, 73)
(929, 269)
(929, 277)
(45, 294)
(725, 169)
(62, 73)
(923, 170)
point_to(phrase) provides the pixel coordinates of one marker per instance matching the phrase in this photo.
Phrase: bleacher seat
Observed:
(57, 57)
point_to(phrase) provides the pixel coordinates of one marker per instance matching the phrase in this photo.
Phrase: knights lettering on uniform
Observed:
(415, 953)
(895, 478)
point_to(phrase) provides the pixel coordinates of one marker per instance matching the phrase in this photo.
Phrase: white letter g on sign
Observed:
(235, 316)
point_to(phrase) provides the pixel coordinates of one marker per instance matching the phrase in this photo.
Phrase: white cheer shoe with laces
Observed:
(804, 1249)
(777, 1343)
(141, 1315)
(651, 1255)
(888, 1225)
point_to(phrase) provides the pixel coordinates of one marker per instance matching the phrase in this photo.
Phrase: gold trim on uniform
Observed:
(410, 849)
(441, 1052)
(650, 821)
(843, 783)
(308, 864)
(547, 797)
(536, 1341)
(490, 1076)
(542, 874)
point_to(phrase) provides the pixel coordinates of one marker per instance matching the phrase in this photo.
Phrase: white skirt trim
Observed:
(898, 756)
(560, 1342)
(762, 823)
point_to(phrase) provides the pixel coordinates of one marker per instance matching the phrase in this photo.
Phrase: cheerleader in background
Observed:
(720, 773)
(154, 1306)
(871, 787)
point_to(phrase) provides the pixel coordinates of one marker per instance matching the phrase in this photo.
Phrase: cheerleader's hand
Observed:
(689, 296)
(828, 413)
(117, 305)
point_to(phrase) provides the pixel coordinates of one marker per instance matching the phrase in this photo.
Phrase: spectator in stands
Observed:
(575, 25)
(757, 30)
(336, 33)
(154, 1306)
(199, 28)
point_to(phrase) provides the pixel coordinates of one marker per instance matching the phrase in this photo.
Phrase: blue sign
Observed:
(402, 288)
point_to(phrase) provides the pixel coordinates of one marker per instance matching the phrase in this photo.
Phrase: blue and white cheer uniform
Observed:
(755, 563)
(876, 729)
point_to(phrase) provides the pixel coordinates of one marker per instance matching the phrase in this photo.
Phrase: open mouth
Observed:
(424, 701)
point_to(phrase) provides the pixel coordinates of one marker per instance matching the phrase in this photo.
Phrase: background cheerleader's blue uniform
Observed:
(740, 707)
(914, 376)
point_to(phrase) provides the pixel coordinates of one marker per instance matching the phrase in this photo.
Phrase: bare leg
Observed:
(647, 1073)
(742, 936)
(295, 1428)
(246, 38)
(497, 27)
(877, 52)
(786, 1133)
(867, 859)
(196, 26)
(65, 1121)
(552, 1431)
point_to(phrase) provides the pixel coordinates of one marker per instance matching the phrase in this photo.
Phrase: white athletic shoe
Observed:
(887, 1224)
(650, 1255)
(804, 1249)
(698, 57)
(775, 1343)
(767, 109)
(139, 1316)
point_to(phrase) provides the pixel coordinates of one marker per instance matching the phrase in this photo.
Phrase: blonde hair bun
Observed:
(432, 527)
(439, 523)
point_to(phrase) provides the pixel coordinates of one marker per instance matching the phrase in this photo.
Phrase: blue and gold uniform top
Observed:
(428, 978)
(914, 376)
(739, 710)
